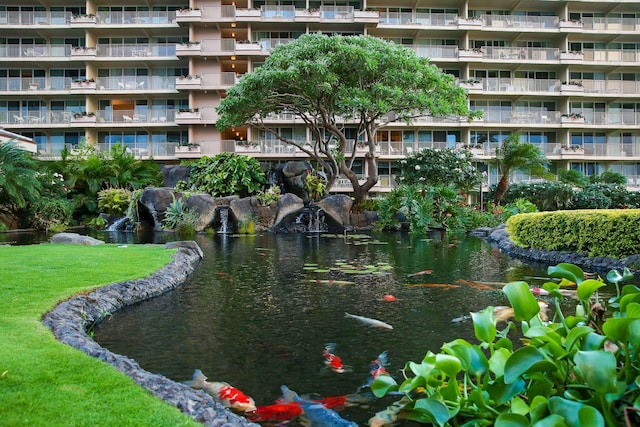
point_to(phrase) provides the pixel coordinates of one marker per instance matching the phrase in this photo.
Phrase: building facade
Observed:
(563, 74)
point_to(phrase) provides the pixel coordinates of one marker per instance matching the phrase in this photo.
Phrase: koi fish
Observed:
(503, 313)
(376, 368)
(431, 285)
(371, 322)
(565, 292)
(316, 414)
(420, 273)
(226, 394)
(390, 415)
(224, 275)
(476, 285)
(332, 361)
(275, 412)
(389, 297)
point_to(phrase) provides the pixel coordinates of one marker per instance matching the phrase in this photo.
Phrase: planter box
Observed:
(571, 56)
(188, 116)
(247, 148)
(572, 152)
(464, 23)
(188, 83)
(83, 85)
(572, 120)
(188, 149)
(83, 119)
(188, 49)
(472, 87)
(470, 54)
(83, 51)
(571, 89)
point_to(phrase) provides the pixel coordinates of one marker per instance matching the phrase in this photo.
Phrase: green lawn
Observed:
(46, 383)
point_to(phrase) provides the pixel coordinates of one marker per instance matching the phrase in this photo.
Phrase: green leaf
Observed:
(478, 363)
(450, 365)
(575, 334)
(383, 385)
(434, 409)
(588, 287)
(576, 414)
(524, 304)
(511, 420)
(483, 325)
(498, 360)
(553, 420)
(597, 369)
(614, 276)
(567, 271)
(502, 392)
(526, 360)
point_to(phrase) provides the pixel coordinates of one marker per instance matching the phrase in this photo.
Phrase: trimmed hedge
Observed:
(606, 232)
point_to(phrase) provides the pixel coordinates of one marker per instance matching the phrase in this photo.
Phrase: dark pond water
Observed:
(253, 316)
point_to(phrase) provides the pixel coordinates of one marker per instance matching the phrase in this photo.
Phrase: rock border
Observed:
(499, 237)
(70, 319)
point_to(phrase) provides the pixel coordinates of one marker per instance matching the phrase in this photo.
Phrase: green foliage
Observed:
(514, 154)
(590, 199)
(547, 195)
(49, 214)
(179, 218)
(518, 206)
(227, 174)
(572, 177)
(618, 194)
(87, 171)
(604, 232)
(247, 225)
(315, 186)
(269, 196)
(326, 79)
(18, 181)
(438, 168)
(99, 222)
(608, 177)
(409, 202)
(575, 370)
(132, 209)
(114, 201)
(372, 204)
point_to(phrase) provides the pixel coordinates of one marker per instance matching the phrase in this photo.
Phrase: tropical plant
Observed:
(518, 206)
(50, 214)
(546, 195)
(608, 177)
(576, 370)
(408, 202)
(227, 174)
(324, 80)
(247, 225)
(179, 218)
(269, 196)
(114, 201)
(515, 154)
(436, 167)
(315, 186)
(572, 177)
(18, 181)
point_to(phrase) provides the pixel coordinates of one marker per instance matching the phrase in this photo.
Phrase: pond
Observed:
(259, 310)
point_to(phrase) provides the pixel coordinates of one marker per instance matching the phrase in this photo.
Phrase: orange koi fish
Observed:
(475, 285)
(431, 285)
(332, 361)
(275, 412)
(420, 273)
(389, 297)
(224, 393)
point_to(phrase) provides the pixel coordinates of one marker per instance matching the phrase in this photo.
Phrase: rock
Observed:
(289, 204)
(338, 207)
(153, 203)
(74, 239)
(206, 206)
(171, 174)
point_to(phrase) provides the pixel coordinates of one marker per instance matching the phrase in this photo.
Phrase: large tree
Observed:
(516, 154)
(329, 82)
(18, 181)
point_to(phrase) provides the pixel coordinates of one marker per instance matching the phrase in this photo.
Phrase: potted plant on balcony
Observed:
(188, 113)
(83, 116)
(83, 84)
(572, 118)
(188, 147)
(243, 145)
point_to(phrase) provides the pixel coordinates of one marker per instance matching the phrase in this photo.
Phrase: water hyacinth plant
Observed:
(575, 370)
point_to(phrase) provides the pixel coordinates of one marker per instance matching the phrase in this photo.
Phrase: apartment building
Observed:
(564, 74)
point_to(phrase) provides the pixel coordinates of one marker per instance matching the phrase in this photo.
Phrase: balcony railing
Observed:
(415, 18)
(521, 53)
(134, 83)
(219, 80)
(610, 55)
(34, 50)
(135, 17)
(19, 84)
(611, 24)
(40, 17)
(520, 85)
(341, 13)
(435, 52)
(136, 50)
(521, 116)
(611, 86)
(520, 21)
(277, 12)
(153, 116)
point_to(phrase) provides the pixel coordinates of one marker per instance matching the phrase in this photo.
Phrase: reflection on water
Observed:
(250, 316)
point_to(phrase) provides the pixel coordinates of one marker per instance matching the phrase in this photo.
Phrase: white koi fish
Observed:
(227, 395)
(371, 322)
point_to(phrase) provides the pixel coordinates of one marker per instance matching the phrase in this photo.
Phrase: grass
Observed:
(44, 382)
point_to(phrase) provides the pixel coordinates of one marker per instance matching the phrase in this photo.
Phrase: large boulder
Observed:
(338, 208)
(249, 208)
(294, 175)
(289, 204)
(206, 207)
(153, 204)
(171, 174)
(74, 239)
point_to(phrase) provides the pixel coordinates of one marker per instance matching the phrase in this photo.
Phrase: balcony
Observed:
(521, 54)
(219, 81)
(520, 117)
(611, 56)
(188, 49)
(520, 85)
(419, 19)
(610, 24)
(613, 87)
(139, 117)
(435, 52)
(136, 51)
(29, 85)
(189, 82)
(34, 51)
(520, 22)
(136, 83)
(39, 18)
(135, 17)
(188, 15)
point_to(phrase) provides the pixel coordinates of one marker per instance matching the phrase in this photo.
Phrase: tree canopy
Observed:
(332, 83)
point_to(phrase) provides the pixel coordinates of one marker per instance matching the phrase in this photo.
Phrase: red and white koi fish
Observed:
(565, 292)
(226, 394)
(275, 412)
(420, 273)
(332, 361)
(376, 368)
(371, 322)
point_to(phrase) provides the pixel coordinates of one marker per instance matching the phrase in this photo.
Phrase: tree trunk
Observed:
(501, 188)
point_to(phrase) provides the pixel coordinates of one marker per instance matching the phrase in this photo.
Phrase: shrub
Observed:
(227, 174)
(618, 194)
(182, 220)
(372, 204)
(315, 186)
(114, 201)
(50, 214)
(547, 195)
(603, 232)
(439, 168)
(578, 369)
(590, 200)
(269, 196)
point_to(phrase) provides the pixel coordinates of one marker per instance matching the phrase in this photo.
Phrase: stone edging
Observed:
(499, 237)
(68, 322)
